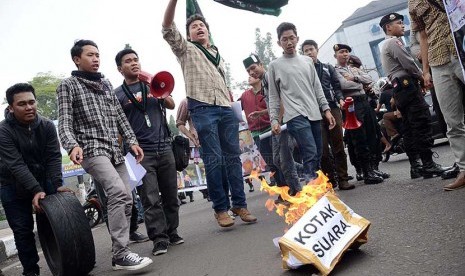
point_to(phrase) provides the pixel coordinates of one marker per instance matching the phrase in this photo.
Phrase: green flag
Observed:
(271, 7)
(192, 7)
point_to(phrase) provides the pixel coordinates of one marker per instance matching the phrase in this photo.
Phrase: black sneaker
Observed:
(138, 237)
(176, 239)
(131, 261)
(160, 248)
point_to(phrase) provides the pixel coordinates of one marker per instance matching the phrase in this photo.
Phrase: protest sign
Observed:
(323, 234)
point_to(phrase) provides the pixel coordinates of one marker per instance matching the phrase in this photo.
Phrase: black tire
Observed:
(65, 235)
(92, 213)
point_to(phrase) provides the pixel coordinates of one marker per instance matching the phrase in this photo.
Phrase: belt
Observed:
(403, 81)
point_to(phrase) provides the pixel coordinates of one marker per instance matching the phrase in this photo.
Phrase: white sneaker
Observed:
(131, 261)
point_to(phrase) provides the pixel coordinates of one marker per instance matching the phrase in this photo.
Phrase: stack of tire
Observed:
(65, 235)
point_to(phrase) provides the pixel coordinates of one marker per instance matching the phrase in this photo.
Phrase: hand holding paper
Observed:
(135, 170)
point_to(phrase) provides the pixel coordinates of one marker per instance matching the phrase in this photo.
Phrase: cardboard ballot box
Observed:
(323, 234)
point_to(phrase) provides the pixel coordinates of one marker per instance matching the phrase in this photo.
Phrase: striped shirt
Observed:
(436, 25)
(90, 116)
(203, 80)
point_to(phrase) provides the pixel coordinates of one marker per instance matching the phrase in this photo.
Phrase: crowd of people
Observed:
(98, 125)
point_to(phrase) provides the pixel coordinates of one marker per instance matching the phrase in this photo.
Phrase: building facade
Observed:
(361, 31)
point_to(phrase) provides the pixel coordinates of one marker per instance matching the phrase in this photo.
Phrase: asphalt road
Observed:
(417, 229)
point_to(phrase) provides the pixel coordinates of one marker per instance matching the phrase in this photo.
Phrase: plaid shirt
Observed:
(203, 80)
(429, 18)
(90, 116)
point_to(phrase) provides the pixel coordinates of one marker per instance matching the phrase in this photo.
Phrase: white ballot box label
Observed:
(322, 234)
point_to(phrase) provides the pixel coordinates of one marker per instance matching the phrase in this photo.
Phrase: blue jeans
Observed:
(308, 136)
(219, 139)
(18, 211)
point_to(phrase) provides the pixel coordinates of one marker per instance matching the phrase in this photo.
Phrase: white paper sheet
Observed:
(237, 110)
(136, 171)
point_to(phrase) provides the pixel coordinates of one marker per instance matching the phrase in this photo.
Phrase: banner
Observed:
(251, 158)
(456, 15)
(69, 169)
(194, 174)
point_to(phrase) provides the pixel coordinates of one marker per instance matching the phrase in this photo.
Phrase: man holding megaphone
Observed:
(145, 106)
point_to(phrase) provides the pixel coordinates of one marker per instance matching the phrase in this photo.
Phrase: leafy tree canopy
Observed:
(45, 85)
(172, 126)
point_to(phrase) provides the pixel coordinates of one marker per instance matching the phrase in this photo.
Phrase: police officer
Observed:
(365, 139)
(406, 78)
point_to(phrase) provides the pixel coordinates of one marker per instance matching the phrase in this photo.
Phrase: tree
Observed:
(45, 85)
(172, 126)
(264, 47)
(264, 50)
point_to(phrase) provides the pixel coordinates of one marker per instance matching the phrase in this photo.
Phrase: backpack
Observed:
(181, 151)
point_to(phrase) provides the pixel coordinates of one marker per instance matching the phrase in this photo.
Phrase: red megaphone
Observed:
(351, 121)
(161, 85)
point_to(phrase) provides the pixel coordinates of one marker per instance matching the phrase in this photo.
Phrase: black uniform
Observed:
(405, 77)
(364, 140)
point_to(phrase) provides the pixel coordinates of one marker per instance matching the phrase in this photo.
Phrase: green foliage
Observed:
(264, 50)
(264, 47)
(172, 126)
(242, 86)
(45, 85)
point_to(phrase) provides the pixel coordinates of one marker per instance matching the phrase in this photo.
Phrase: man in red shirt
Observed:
(258, 120)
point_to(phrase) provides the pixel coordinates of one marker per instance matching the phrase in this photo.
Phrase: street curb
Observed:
(4, 224)
(8, 246)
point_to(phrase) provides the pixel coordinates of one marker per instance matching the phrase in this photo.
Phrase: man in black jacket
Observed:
(30, 168)
(334, 160)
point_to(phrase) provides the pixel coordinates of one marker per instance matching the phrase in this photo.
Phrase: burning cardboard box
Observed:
(323, 226)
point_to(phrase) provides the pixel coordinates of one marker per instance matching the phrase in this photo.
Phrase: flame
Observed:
(299, 204)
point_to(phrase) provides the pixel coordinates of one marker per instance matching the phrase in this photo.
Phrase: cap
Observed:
(338, 47)
(388, 18)
(251, 60)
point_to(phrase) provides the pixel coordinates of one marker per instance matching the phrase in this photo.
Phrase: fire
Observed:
(297, 205)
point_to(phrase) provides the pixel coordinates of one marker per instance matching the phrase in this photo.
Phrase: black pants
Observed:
(365, 139)
(159, 195)
(265, 148)
(19, 216)
(416, 119)
(18, 211)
